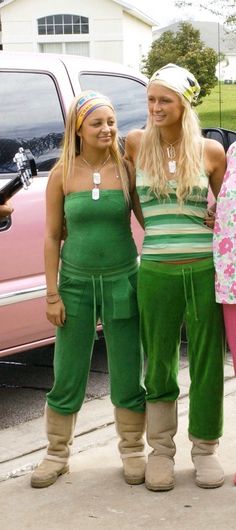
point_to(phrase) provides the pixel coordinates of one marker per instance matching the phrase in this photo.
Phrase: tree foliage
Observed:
(184, 48)
(225, 10)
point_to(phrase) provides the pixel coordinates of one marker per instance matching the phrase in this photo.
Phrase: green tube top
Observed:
(99, 236)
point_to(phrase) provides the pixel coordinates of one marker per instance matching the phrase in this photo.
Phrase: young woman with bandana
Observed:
(97, 279)
(174, 168)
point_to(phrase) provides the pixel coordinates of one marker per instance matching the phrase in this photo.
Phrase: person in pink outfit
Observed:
(225, 250)
(224, 247)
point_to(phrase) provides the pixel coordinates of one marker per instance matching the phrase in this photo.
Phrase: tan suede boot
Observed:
(209, 473)
(161, 428)
(130, 426)
(60, 430)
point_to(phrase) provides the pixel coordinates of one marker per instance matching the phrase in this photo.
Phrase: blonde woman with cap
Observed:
(97, 279)
(174, 168)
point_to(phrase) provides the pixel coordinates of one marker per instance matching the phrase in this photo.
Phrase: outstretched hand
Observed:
(5, 210)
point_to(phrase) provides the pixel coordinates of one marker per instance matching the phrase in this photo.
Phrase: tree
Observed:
(225, 10)
(184, 48)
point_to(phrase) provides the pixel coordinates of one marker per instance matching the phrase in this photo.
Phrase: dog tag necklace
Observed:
(96, 177)
(171, 154)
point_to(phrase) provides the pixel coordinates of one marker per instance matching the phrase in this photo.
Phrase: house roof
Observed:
(137, 13)
(213, 34)
(131, 10)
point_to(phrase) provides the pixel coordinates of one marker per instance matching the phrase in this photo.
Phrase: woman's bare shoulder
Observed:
(56, 175)
(133, 142)
(134, 136)
(213, 147)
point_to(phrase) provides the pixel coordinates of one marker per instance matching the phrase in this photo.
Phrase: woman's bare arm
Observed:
(215, 164)
(132, 145)
(54, 222)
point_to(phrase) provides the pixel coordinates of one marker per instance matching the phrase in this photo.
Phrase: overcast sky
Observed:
(169, 13)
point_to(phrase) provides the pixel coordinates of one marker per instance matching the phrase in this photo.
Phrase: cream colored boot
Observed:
(161, 428)
(60, 430)
(130, 426)
(209, 473)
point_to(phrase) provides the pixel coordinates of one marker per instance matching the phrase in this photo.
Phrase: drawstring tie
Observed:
(102, 296)
(192, 292)
(95, 302)
(94, 305)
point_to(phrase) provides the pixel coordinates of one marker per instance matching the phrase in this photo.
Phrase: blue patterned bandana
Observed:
(89, 101)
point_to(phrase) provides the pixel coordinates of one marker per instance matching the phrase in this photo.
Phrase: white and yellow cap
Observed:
(178, 79)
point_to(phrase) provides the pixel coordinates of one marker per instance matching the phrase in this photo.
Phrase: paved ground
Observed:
(25, 379)
(94, 496)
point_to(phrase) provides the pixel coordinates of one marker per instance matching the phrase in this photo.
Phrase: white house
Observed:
(102, 29)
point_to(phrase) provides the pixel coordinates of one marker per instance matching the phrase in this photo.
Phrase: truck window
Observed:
(128, 96)
(31, 117)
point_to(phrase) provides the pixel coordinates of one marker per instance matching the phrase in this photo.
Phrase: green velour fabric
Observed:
(98, 279)
(169, 295)
(115, 302)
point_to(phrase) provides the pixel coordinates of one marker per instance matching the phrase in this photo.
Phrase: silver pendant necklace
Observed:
(96, 177)
(171, 154)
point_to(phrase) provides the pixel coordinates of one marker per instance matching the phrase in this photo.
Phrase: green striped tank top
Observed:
(174, 232)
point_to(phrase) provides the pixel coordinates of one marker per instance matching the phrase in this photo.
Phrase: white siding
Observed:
(227, 71)
(109, 50)
(137, 41)
(113, 34)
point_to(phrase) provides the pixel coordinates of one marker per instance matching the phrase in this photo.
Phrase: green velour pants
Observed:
(168, 295)
(113, 298)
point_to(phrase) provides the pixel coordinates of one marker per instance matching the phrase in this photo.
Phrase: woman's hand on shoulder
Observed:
(215, 162)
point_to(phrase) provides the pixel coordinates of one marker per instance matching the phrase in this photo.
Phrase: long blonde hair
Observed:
(71, 148)
(151, 155)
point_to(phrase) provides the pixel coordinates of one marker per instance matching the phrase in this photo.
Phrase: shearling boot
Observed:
(209, 473)
(130, 426)
(161, 428)
(60, 430)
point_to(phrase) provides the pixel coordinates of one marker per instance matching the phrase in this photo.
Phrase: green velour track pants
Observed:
(87, 297)
(168, 295)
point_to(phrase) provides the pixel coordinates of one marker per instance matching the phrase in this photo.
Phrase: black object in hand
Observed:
(26, 168)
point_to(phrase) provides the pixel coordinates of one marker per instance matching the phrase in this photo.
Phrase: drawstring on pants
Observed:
(94, 305)
(102, 296)
(123, 273)
(192, 291)
(95, 302)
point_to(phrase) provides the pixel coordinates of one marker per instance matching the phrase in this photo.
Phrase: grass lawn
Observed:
(219, 108)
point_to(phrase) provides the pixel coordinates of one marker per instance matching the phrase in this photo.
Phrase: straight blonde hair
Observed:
(189, 167)
(71, 148)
